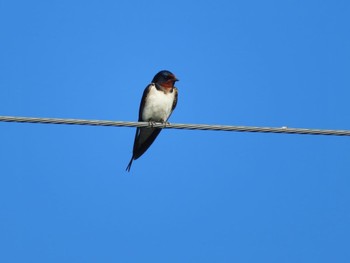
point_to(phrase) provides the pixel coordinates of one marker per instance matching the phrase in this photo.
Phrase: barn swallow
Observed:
(158, 101)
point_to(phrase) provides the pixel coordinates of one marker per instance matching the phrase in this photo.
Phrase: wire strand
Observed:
(175, 126)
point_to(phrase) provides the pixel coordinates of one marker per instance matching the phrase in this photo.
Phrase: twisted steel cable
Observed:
(176, 126)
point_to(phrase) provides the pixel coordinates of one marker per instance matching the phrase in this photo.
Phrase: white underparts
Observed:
(158, 105)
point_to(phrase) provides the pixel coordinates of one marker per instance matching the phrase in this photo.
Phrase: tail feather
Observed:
(129, 165)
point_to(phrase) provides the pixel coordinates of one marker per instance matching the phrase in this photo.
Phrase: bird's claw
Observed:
(151, 123)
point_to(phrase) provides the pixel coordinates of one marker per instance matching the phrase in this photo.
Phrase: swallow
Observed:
(158, 101)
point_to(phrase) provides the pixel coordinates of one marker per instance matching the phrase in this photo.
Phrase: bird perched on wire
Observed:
(158, 101)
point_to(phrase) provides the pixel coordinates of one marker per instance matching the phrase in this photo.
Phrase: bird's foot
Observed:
(151, 123)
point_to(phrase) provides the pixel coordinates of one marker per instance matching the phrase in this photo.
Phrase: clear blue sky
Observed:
(195, 196)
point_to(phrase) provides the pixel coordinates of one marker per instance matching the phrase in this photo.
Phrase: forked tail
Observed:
(129, 165)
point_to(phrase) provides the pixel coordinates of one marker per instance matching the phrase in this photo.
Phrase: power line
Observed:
(175, 126)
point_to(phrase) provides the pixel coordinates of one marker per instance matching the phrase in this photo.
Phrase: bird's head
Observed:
(165, 79)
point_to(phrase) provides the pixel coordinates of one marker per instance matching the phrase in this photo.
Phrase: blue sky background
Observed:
(195, 196)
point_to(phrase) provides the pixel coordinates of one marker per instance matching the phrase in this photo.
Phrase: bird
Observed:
(158, 101)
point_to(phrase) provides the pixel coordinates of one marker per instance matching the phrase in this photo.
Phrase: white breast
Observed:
(158, 105)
